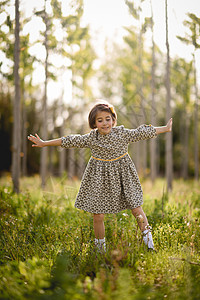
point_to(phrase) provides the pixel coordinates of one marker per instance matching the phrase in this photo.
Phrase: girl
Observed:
(110, 182)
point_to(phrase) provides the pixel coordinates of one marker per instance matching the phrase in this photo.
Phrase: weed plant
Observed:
(47, 249)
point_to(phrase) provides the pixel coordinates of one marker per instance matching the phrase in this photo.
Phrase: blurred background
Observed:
(57, 57)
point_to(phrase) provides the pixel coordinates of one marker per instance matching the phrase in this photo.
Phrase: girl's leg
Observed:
(99, 231)
(144, 226)
(140, 217)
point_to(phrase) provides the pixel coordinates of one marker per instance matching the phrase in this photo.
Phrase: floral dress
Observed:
(110, 182)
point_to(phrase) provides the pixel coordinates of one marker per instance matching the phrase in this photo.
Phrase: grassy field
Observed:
(47, 250)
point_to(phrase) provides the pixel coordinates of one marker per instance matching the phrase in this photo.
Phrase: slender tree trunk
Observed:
(71, 151)
(136, 147)
(16, 106)
(143, 144)
(185, 146)
(51, 150)
(153, 106)
(71, 163)
(62, 162)
(62, 154)
(196, 142)
(43, 162)
(81, 157)
(168, 144)
(81, 162)
(24, 142)
(50, 159)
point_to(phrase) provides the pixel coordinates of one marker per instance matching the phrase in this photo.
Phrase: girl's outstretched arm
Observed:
(167, 128)
(38, 142)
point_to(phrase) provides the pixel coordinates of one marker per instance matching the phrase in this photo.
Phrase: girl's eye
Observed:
(107, 120)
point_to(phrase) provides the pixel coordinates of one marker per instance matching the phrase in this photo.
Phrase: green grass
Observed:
(47, 250)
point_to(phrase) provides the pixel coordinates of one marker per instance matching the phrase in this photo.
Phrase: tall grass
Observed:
(47, 249)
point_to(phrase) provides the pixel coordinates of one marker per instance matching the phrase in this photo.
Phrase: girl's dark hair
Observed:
(101, 107)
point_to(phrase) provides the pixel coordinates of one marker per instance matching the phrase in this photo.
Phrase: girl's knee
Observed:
(136, 211)
(98, 217)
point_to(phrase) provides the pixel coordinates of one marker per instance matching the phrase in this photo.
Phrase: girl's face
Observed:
(104, 122)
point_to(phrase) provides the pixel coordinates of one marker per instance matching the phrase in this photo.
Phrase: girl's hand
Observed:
(169, 125)
(38, 142)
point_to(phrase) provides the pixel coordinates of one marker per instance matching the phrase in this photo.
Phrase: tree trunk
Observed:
(24, 142)
(153, 107)
(81, 157)
(71, 163)
(196, 142)
(43, 158)
(52, 150)
(168, 144)
(50, 159)
(16, 106)
(71, 151)
(81, 162)
(185, 146)
(62, 154)
(143, 144)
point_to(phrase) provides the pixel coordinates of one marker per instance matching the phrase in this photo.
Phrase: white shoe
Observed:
(100, 244)
(147, 238)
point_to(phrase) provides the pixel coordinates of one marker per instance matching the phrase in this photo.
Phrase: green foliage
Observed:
(132, 9)
(193, 23)
(182, 78)
(47, 249)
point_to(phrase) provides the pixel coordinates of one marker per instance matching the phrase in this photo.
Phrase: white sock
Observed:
(100, 244)
(147, 238)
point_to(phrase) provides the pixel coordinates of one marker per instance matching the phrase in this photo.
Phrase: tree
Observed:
(7, 81)
(193, 39)
(141, 147)
(153, 107)
(62, 155)
(77, 47)
(6, 85)
(17, 109)
(49, 44)
(182, 77)
(43, 161)
(26, 71)
(168, 144)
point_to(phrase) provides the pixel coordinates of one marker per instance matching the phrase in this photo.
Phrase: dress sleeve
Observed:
(143, 132)
(76, 141)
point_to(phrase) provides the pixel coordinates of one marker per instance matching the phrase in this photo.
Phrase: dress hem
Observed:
(115, 212)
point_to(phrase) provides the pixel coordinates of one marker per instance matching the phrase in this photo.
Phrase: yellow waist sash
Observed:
(110, 159)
